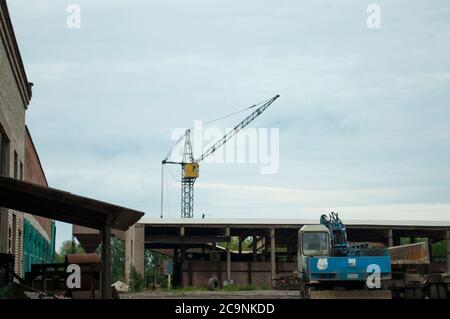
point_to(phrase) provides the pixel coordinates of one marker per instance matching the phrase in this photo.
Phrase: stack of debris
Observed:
(287, 281)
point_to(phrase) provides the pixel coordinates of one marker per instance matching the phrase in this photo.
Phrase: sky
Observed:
(362, 120)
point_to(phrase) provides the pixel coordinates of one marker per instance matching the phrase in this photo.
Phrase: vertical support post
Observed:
(254, 245)
(228, 233)
(390, 237)
(183, 257)
(240, 245)
(129, 252)
(106, 262)
(213, 251)
(266, 248)
(448, 250)
(249, 272)
(169, 282)
(272, 255)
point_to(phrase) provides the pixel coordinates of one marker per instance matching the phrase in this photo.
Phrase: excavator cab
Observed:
(313, 240)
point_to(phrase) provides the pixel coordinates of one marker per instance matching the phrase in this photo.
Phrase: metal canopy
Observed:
(64, 206)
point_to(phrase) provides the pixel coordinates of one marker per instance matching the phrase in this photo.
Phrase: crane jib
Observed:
(237, 128)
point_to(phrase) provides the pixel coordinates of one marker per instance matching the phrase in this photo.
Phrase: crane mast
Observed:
(190, 166)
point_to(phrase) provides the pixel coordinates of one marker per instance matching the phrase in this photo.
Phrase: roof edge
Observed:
(15, 59)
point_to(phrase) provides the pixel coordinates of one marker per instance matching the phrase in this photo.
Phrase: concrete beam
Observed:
(390, 237)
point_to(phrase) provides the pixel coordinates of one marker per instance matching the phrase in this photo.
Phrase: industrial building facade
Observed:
(18, 157)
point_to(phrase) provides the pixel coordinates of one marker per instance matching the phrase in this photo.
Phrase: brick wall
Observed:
(14, 98)
(257, 274)
(34, 173)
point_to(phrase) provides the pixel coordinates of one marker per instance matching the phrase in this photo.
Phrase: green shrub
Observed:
(136, 280)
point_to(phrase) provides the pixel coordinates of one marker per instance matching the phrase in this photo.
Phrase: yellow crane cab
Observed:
(191, 170)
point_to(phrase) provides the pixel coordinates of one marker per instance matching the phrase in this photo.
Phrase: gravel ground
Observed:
(252, 294)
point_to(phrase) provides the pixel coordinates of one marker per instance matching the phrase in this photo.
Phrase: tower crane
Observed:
(190, 165)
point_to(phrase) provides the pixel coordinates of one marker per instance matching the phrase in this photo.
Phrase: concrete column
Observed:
(390, 237)
(227, 233)
(448, 250)
(255, 251)
(182, 257)
(272, 254)
(134, 249)
(106, 263)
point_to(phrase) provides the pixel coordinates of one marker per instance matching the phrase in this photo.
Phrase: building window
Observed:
(9, 239)
(21, 171)
(16, 164)
(14, 233)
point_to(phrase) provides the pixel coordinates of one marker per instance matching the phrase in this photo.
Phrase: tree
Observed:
(68, 247)
(234, 244)
(152, 267)
(117, 259)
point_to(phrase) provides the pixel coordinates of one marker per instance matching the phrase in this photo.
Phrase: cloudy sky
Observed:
(363, 116)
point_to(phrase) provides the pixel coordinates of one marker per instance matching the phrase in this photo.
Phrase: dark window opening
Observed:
(16, 164)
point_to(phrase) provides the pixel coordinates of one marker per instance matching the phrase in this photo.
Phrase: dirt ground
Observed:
(252, 294)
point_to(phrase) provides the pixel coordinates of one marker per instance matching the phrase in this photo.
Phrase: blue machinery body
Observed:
(346, 268)
(325, 255)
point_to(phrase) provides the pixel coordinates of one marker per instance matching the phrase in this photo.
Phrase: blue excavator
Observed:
(329, 266)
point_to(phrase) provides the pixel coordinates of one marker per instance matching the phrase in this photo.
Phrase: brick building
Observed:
(38, 232)
(15, 95)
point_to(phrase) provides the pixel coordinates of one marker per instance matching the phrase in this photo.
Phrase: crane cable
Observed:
(230, 114)
(212, 121)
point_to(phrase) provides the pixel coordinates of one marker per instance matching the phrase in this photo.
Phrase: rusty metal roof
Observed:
(91, 258)
(64, 206)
